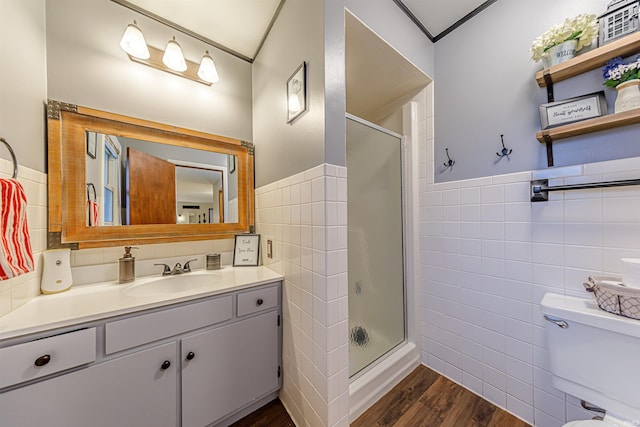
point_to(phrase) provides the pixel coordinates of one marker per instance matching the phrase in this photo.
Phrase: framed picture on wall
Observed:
(92, 144)
(246, 251)
(297, 93)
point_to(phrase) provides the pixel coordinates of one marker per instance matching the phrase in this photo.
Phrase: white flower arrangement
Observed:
(583, 28)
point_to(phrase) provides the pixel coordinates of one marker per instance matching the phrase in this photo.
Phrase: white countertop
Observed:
(98, 301)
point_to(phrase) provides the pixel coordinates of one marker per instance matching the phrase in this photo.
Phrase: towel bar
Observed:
(540, 188)
(13, 157)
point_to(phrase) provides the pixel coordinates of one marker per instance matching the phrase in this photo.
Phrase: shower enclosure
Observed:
(377, 314)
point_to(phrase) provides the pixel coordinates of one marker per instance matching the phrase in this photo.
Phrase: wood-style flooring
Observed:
(424, 398)
(272, 414)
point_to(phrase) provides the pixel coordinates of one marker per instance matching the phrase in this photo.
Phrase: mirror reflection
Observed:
(134, 182)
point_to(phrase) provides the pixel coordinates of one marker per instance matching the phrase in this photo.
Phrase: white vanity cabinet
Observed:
(133, 390)
(218, 359)
(229, 367)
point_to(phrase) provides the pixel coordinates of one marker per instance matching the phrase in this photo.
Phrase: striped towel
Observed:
(16, 257)
(94, 213)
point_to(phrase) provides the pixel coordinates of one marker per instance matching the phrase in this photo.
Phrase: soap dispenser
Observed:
(56, 273)
(127, 266)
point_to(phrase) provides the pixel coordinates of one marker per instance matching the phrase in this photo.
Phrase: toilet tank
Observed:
(596, 357)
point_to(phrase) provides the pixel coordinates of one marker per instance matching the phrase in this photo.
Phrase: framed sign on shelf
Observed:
(573, 110)
(246, 251)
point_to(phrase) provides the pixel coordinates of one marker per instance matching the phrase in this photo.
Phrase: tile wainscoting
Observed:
(305, 218)
(488, 256)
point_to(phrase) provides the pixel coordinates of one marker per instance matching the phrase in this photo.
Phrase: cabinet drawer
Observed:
(135, 331)
(257, 300)
(128, 391)
(20, 362)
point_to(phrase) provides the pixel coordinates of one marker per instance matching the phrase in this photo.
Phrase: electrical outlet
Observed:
(269, 249)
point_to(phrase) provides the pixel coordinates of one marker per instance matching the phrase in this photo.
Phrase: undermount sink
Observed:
(173, 284)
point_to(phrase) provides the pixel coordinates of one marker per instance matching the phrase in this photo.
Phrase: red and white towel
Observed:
(16, 257)
(94, 213)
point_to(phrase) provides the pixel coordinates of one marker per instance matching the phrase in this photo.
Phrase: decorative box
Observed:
(620, 19)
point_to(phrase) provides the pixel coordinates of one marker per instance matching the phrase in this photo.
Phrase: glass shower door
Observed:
(375, 243)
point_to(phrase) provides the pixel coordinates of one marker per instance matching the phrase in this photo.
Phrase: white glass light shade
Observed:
(294, 103)
(173, 57)
(207, 70)
(133, 42)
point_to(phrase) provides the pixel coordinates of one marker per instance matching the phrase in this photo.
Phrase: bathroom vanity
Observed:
(99, 355)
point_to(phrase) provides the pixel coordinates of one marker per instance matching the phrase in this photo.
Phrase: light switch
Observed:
(269, 249)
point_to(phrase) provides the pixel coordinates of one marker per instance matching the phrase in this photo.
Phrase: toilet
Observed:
(594, 356)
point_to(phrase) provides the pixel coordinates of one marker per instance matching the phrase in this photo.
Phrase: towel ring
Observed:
(13, 157)
(95, 195)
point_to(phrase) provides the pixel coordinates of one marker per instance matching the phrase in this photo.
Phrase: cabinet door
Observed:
(133, 390)
(232, 366)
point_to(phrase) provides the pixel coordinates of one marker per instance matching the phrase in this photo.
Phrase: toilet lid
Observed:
(587, 423)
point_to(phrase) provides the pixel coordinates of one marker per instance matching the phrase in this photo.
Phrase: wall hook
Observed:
(450, 162)
(505, 151)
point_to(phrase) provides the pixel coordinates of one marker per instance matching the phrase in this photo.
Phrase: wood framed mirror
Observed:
(117, 180)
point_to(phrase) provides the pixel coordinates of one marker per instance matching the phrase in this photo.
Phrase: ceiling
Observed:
(437, 18)
(239, 27)
(236, 26)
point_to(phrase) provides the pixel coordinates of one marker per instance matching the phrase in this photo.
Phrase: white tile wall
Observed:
(86, 257)
(489, 255)
(305, 217)
(17, 291)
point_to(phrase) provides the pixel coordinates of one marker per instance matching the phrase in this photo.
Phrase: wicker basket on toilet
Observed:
(614, 297)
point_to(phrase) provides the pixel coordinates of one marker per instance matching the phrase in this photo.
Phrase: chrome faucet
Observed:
(177, 269)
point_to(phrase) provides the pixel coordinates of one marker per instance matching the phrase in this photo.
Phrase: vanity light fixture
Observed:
(170, 60)
(173, 57)
(207, 70)
(133, 42)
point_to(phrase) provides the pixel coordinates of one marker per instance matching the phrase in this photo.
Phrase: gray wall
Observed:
(313, 31)
(485, 86)
(391, 24)
(87, 67)
(285, 149)
(23, 82)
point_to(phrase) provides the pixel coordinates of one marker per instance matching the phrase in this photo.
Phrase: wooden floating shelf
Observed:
(609, 121)
(588, 61)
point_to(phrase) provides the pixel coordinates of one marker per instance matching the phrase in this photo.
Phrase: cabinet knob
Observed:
(260, 301)
(42, 360)
(165, 365)
(191, 355)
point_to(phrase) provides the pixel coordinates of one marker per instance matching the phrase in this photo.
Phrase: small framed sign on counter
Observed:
(573, 110)
(246, 250)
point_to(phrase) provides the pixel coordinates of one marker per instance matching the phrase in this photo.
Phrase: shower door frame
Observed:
(406, 265)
